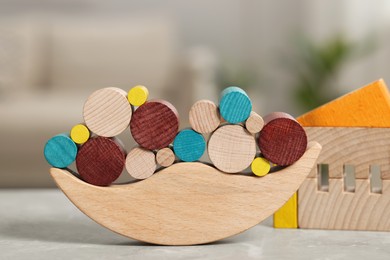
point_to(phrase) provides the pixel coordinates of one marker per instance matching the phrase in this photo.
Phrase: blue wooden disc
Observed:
(60, 151)
(189, 145)
(235, 106)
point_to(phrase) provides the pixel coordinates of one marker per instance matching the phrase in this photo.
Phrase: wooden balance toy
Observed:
(180, 201)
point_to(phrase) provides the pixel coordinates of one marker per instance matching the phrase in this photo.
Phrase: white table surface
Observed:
(43, 224)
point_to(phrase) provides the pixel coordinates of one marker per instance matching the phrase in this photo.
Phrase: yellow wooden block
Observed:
(287, 216)
(80, 134)
(260, 166)
(138, 95)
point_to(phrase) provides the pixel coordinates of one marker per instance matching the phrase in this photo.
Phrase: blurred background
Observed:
(289, 56)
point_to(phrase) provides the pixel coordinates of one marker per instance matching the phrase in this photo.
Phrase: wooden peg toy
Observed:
(165, 157)
(138, 95)
(80, 133)
(254, 123)
(141, 163)
(204, 116)
(60, 151)
(235, 106)
(107, 112)
(189, 145)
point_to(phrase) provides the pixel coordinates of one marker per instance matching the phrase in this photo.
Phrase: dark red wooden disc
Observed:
(155, 124)
(100, 161)
(282, 141)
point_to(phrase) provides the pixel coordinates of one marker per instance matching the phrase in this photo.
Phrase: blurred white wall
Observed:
(54, 53)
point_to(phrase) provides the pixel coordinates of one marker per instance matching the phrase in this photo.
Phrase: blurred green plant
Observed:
(317, 65)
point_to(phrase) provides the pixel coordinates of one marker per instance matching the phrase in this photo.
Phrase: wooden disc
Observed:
(189, 145)
(60, 151)
(140, 163)
(204, 116)
(260, 166)
(154, 125)
(100, 161)
(235, 106)
(282, 140)
(231, 148)
(80, 134)
(138, 95)
(107, 112)
(254, 123)
(165, 157)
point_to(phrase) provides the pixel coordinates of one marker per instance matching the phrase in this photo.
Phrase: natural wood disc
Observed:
(165, 157)
(254, 123)
(204, 116)
(154, 125)
(231, 148)
(100, 161)
(107, 112)
(282, 140)
(140, 163)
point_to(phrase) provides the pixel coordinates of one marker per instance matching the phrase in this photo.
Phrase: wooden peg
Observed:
(107, 112)
(140, 163)
(260, 166)
(100, 161)
(189, 145)
(254, 123)
(80, 133)
(138, 95)
(154, 125)
(282, 140)
(235, 106)
(60, 151)
(204, 116)
(165, 157)
(231, 148)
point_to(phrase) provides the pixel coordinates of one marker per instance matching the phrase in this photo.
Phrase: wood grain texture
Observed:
(368, 106)
(138, 95)
(154, 125)
(204, 116)
(187, 203)
(100, 161)
(80, 133)
(189, 145)
(360, 147)
(107, 112)
(287, 216)
(235, 106)
(165, 157)
(282, 140)
(141, 163)
(60, 151)
(336, 209)
(254, 123)
(231, 148)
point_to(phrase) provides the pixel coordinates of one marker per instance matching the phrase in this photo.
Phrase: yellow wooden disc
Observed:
(138, 95)
(260, 166)
(80, 134)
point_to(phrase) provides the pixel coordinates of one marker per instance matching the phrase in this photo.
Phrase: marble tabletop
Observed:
(43, 224)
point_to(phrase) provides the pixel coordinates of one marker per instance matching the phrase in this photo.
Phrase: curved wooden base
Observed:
(187, 203)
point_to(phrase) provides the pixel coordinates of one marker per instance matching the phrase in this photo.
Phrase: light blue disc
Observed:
(235, 106)
(60, 151)
(189, 145)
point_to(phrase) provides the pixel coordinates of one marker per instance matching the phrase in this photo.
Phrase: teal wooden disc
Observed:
(235, 106)
(189, 145)
(60, 151)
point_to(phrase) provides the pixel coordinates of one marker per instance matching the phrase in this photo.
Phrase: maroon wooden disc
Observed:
(155, 124)
(100, 161)
(282, 141)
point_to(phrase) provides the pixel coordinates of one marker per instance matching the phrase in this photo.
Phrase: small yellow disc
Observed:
(260, 166)
(79, 134)
(138, 95)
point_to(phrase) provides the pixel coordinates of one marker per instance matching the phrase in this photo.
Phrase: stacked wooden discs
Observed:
(236, 134)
